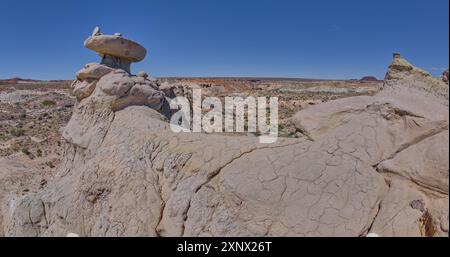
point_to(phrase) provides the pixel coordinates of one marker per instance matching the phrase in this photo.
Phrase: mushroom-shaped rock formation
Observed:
(116, 51)
(401, 68)
(110, 83)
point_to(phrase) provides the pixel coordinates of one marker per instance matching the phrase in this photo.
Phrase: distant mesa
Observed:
(369, 79)
(16, 80)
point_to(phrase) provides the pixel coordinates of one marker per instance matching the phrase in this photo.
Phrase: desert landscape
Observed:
(96, 156)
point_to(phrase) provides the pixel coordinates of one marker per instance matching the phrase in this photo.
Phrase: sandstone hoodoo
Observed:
(116, 51)
(362, 165)
(400, 71)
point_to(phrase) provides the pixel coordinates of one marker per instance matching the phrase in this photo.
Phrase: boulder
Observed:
(142, 74)
(116, 46)
(116, 51)
(445, 76)
(426, 163)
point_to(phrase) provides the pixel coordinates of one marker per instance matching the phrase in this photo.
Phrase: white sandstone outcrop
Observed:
(402, 132)
(402, 72)
(125, 173)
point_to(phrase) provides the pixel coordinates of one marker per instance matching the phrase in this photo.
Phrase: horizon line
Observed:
(211, 77)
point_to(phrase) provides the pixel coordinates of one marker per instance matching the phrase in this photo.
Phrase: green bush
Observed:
(25, 150)
(48, 103)
(50, 164)
(18, 132)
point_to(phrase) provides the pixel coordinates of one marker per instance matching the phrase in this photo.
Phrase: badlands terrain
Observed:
(96, 157)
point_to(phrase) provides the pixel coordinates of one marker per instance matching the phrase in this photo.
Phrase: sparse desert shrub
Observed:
(39, 152)
(17, 132)
(50, 164)
(25, 150)
(23, 115)
(48, 103)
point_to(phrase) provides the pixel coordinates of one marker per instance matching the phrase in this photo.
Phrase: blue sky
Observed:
(285, 38)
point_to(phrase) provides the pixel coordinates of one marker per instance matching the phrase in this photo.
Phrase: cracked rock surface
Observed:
(368, 164)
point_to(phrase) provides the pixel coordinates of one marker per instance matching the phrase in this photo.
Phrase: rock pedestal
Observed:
(116, 63)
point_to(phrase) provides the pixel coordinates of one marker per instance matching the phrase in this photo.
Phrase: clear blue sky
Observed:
(285, 38)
